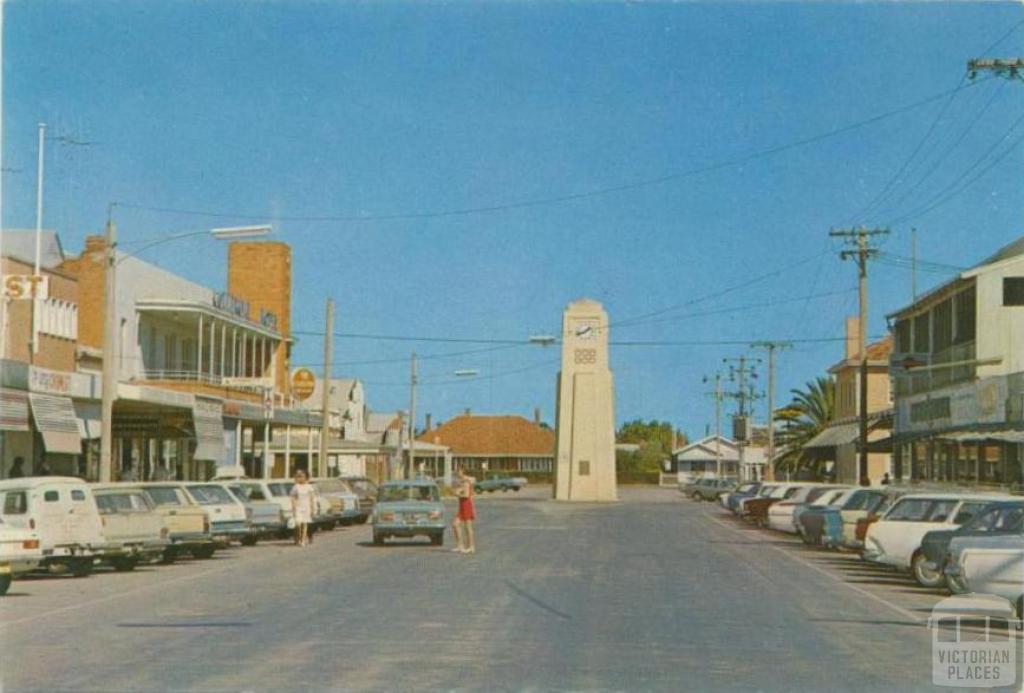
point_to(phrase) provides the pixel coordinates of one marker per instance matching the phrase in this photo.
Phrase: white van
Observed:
(63, 512)
(19, 553)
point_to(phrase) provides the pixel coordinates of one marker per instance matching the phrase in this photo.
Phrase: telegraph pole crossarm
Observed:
(1010, 68)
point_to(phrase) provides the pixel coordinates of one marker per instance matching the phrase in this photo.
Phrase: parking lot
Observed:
(655, 592)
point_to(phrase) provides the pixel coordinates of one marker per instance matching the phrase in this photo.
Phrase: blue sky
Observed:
(291, 110)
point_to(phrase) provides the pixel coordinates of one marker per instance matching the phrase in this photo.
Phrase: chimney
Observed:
(852, 337)
(468, 412)
(428, 421)
(536, 415)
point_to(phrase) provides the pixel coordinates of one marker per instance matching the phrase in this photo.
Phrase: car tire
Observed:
(169, 556)
(695, 496)
(124, 564)
(1020, 607)
(361, 520)
(378, 539)
(437, 539)
(5, 583)
(249, 541)
(956, 585)
(203, 552)
(923, 574)
(80, 567)
(516, 489)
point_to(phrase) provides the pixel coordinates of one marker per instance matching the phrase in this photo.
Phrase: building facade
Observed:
(481, 444)
(958, 370)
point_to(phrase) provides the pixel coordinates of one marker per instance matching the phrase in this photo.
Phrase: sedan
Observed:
(408, 509)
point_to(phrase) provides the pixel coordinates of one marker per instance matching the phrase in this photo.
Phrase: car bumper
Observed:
(396, 530)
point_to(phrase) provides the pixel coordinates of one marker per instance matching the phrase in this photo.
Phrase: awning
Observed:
(13, 411)
(207, 418)
(56, 422)
(88, 416)
(1004, 436)
(834, 436)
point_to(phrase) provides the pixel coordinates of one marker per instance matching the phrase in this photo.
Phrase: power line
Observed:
(568, 197)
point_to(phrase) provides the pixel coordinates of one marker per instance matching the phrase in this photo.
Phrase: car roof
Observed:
(957, 497)
(35, 481)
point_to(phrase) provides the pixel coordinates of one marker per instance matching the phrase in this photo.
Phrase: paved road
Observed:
(652, 593)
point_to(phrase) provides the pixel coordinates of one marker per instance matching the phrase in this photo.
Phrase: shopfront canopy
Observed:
(834, 436)
(13, 411)
(1002, 436)
(56, 422)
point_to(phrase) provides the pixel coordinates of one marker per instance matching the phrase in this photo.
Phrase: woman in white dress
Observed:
(302, 507)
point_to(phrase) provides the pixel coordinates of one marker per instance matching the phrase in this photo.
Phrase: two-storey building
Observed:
(958, 368)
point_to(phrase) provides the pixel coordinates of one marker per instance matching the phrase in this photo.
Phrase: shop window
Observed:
(1013, 291)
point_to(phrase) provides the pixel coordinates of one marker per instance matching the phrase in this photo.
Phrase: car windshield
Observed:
(747, 488)
(211, 495)
(860, 500)
(766, 491)
(394, 493)
(164, 495)
(921, 510)
(281, 488)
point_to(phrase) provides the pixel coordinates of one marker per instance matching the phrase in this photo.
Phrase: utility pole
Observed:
(39, 241)
(325, 390)
(739, 374)
(412, 418)
(109, 391)
(772, 347)
(717, 394)
(861, 252)
(913, 265)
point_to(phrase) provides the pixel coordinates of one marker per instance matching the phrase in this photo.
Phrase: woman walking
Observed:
(465, 539)
(302, 507)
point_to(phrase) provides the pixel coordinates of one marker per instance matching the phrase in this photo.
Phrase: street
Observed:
(654, 592)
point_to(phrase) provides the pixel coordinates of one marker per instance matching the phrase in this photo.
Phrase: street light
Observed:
(110, 323)
(543, 339)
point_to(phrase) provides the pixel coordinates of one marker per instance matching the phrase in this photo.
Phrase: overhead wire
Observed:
(567, 197)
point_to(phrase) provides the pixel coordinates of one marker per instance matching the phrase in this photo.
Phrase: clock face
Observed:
(586, 330)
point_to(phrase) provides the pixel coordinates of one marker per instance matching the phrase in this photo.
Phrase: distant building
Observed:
(958, 367)
(839, 444)
(493, 443)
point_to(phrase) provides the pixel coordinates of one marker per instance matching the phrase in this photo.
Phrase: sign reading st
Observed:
(22, 286)
(303, 383)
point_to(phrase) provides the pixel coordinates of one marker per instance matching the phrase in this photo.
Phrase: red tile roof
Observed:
(492, 436)
(880, 350)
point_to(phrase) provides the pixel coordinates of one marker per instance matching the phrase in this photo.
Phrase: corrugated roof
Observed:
(492, 435)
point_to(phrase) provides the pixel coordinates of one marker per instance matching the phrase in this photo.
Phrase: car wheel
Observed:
(81, 567)
(924, 572)
(516, 489)
(956, 585)
(249, 541)
(170, 555)
(124, 564)
(203, 552)
(361, 520)
(1020, 607)
(695, 496)
(5, 583)
(378, 539)
(437, 539)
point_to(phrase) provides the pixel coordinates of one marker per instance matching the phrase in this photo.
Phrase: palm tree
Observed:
(810, 412)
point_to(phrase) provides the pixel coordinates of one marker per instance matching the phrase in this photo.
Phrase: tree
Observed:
(655, 439)
(811, 411)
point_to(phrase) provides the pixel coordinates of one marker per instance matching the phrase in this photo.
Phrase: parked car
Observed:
(407, 509)
(230, 521)
(747, 490)
(62, 512)
(267, 517)
(710, 489)
(367, 492)
(895, 540)
(188, 525)
(343, 503)
(811, 520)
(781, 514)
(132, 522)
(840, 523)
(763, 492)
(990, 564)
(998, 518)
(19, 553)
(499, 482)
(756, 509)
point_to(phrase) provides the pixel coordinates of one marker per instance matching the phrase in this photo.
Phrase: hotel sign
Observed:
(231, 304)
(26, 286)
(45, 380)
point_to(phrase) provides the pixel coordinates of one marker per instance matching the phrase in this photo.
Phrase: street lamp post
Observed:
(110, 351)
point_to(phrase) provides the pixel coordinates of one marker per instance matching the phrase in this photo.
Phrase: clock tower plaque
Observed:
(585, 418)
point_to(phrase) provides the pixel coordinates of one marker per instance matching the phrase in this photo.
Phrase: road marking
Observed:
(859, 590)
(110, 597)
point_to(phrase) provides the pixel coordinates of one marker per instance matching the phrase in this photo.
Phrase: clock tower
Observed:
(585, 418)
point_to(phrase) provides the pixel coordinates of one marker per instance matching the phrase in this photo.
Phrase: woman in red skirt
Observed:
(465, 516)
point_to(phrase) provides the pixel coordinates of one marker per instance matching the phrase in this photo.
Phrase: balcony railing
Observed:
(189, 376)
(935, 377)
